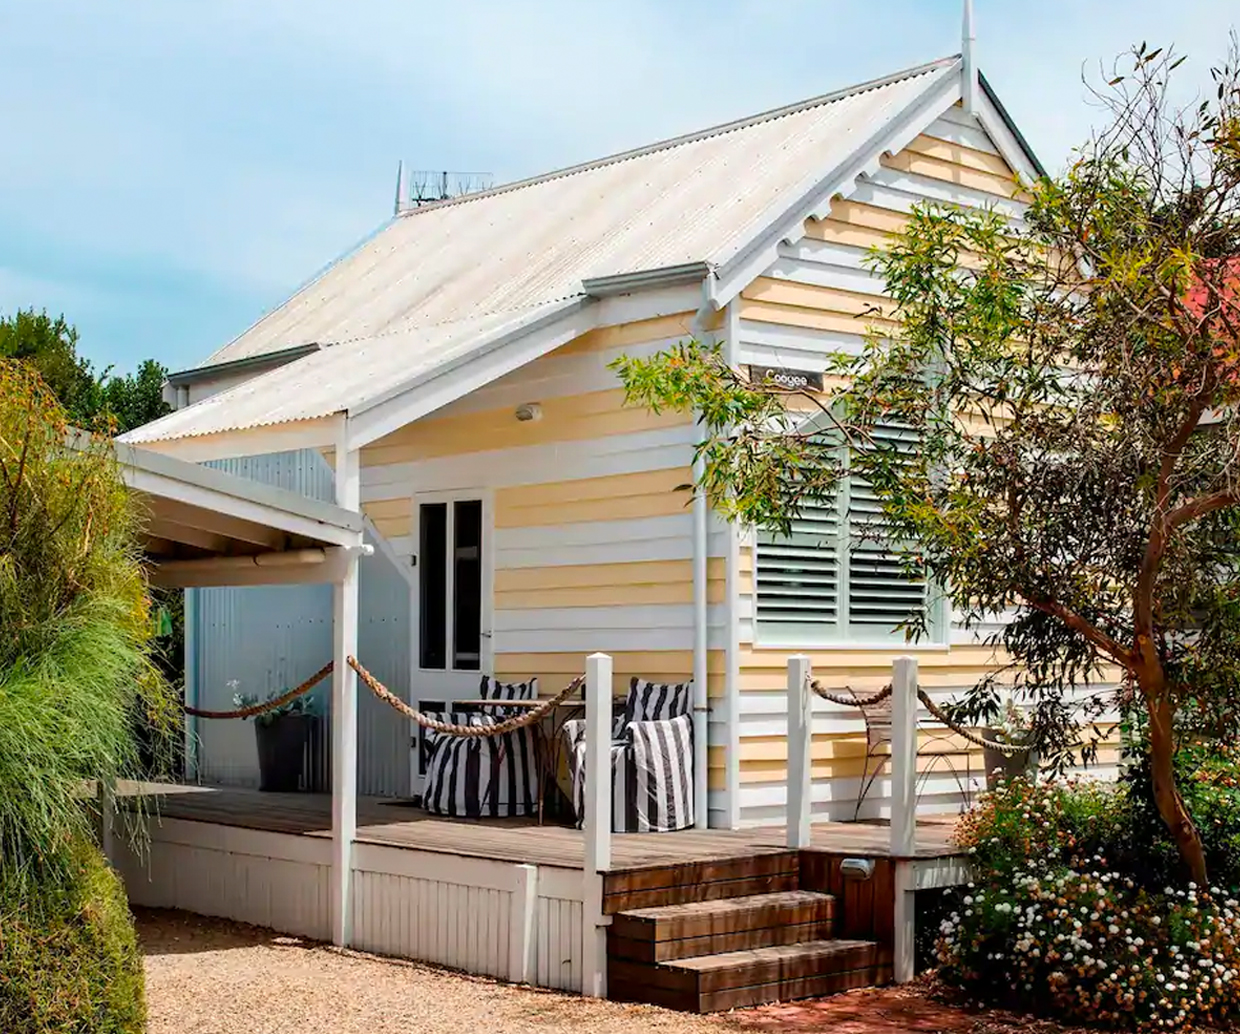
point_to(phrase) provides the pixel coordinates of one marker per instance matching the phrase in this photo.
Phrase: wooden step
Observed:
(731, 924)
(761, 873)
(713, 983)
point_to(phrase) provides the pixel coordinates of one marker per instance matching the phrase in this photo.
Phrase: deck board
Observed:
(514, 840)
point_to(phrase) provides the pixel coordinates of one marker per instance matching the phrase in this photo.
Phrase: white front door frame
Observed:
(448, 683)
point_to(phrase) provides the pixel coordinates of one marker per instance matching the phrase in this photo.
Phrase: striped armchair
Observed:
(651, 760)
(484, 776)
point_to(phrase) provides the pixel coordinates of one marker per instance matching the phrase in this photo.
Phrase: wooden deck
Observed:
(396, 824)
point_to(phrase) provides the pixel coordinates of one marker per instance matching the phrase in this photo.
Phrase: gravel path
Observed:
(209, 976)
(215, 977)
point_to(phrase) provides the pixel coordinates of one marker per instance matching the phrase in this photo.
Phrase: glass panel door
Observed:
(452, 609)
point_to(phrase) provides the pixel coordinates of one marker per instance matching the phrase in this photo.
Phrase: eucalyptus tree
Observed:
(1066, 456)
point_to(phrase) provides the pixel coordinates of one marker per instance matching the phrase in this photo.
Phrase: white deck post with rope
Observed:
(800, 741)
(596, 824)
(904, 810)
(344, 705)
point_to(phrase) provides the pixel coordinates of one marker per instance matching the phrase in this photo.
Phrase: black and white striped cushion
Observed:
(481, 776)
(656, 702)
(651, 775)
(493, 689)
(658, 771)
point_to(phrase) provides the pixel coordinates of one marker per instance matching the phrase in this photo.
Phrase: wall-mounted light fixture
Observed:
(857, 868)
(529, 411)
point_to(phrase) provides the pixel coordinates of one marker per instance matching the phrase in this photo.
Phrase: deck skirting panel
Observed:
(501, 919)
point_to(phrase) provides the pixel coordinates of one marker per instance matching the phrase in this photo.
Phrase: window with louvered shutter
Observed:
(836, 577)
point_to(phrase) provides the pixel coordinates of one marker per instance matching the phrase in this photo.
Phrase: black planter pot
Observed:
(1001, 767)
(282, 746)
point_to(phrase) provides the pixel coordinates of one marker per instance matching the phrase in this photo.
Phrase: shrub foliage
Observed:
(1075, 913)
(74, 629)
(69, 960)
(75, 671)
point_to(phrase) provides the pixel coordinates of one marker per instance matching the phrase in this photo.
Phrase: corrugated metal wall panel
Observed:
(263, 639)
(383, 646)
(303, 471)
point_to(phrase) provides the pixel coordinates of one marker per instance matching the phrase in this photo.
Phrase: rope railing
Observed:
(535, 714)
(1006, 749)
(267, 705)
(850, 701)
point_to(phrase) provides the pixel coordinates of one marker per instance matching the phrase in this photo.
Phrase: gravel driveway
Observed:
(213, 977)
(209, 976)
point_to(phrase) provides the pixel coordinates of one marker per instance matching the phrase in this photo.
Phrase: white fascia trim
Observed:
(231, 572)
(492, 359)
(314, 433)
(997, 128)
(789, 225)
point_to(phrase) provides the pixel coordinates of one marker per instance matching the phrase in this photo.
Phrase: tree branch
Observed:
(1200, 506)
(1074, 621)
(1143, 593)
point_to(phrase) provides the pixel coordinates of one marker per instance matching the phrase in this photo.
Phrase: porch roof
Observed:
(205, 527)
(357, 377)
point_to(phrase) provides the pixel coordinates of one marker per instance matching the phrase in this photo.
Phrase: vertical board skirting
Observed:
(485, 917)
(285, 894)
(450, 924)
(506, 920)
(559, 944)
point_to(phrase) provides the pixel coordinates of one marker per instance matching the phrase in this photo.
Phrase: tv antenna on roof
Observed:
(418, 187)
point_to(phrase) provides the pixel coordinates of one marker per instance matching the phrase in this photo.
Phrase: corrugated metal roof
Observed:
(340, 378)
(439, 283)
(696, 198)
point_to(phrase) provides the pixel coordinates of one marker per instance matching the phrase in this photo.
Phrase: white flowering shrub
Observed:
(1090, 946)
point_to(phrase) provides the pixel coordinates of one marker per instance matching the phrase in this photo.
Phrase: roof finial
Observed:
(402, 189)
(968, 60)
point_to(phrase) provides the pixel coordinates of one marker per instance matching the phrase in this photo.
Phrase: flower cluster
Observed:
(1019, 819)
(1088, 945)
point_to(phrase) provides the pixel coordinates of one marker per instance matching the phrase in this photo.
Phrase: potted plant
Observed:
(282, 736)
(1012, 727)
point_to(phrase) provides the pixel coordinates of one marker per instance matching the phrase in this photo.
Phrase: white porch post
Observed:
(190, 621)
(800, 739)
(344, 709)
(904, 808)
(596, 824)
(701, 617)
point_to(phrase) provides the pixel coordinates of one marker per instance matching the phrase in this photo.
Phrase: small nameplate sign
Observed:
(793, 380)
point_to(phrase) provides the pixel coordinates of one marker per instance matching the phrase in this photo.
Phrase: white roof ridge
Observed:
(688, 138)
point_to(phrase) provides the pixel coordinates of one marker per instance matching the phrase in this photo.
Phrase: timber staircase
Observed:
(710, 936)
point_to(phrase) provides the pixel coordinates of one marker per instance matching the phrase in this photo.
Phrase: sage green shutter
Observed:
(881, 591)
(835, 578)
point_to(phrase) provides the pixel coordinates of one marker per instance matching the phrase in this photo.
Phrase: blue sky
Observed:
(172, 169)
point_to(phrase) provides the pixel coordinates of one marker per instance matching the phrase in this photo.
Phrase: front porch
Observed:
(508, 898)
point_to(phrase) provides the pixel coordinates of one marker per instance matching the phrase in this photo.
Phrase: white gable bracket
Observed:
(490, 361)
(789, 225)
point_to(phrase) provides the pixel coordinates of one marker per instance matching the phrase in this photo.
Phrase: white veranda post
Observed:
(596, 824)
(344, 710)
(904, 808)
(800, 740)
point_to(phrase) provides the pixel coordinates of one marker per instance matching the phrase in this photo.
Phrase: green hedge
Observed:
(69, 960)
